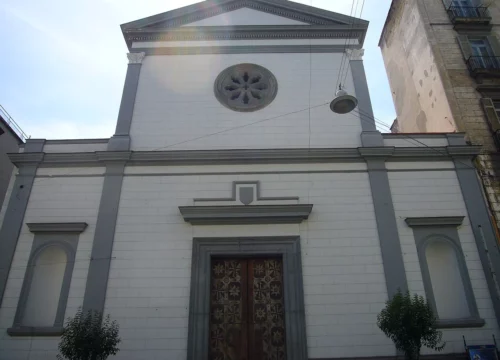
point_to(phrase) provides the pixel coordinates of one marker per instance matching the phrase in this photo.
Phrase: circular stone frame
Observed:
(245, 87)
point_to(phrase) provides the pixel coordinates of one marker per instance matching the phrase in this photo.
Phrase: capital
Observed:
(136, 58)
(355, 54)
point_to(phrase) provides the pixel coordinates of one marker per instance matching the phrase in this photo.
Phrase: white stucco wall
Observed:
(71, 199)
(148, 289)
(437, 193)
(245, 16)
(176, 108)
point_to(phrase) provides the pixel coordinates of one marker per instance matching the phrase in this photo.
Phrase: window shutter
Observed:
(463, 41)
(491, 114)
(495, 44)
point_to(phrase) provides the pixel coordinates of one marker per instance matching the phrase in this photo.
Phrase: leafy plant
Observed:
(88, 337)
(410, 323)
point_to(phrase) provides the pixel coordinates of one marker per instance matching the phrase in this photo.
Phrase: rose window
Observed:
(246, 87)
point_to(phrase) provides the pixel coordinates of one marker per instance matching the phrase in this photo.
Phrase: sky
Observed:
(63, 63)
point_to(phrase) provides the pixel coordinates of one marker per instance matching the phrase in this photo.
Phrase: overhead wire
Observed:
(362, 115)
(342, 61)
(213, 134)
(348, 66)
(359, 111)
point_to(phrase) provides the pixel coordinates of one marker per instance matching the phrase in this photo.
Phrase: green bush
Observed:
(410, 323)
(88, 337)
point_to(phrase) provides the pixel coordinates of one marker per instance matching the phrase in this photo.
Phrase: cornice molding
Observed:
(77, 227)
(241, 214)
(26, 158)
(243, 49)
(243, 156)
(246, 32)
(435, 221)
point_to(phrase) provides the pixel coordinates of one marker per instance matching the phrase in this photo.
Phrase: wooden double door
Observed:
(247, 315)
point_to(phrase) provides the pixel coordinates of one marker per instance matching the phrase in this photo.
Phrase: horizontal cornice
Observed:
(240, 214)
(247, 32)
(77, 227)
(435, 221)
(246, 49)
(243, 156)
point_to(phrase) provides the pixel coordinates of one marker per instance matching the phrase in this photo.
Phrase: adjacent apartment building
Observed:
(11, 139)
(443, 64)
(233, 215)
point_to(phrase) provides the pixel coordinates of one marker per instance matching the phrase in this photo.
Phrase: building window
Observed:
(444, 271)
(481, 54)
(42, 303)
(245, 87)
(462, 8)
(496, 104)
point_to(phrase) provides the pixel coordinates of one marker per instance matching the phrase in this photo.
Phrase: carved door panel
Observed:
(247, 310)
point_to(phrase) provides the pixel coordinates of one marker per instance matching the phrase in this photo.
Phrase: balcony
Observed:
(470, 17)
(481, 67)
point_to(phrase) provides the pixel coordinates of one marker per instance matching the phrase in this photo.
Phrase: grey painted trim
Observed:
(240, 214)
(258, 191)
(247, 32)
(76, 141)
(199, 307)
(34, 145)
(102, 247)
(247, 156)
(456, 139)
(244, 49)
(258, 75)
(67, 242)
(121, 139)
(57, 227)
(480, 219)
(35, 331)
(363, 95)
(243, 173)
(462, 323)
(390, 245)
(13, 221)
(435, 221)
(421, 135)
(447, 233)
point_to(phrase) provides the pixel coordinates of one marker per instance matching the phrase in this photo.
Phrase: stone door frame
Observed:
(287, 247)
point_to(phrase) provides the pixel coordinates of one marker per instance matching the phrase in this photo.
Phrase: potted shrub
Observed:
(410, 323)
(88, 336)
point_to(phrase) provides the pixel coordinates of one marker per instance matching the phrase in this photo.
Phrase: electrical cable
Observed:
(348, 61)
(344, 53)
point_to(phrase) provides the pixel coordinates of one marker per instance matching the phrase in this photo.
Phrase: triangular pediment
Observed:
(246, 16)
(244, 19)
(282, 12)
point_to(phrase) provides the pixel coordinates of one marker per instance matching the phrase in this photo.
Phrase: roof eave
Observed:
(299, 9)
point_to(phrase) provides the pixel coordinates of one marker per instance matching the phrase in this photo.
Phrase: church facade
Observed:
(233, 215)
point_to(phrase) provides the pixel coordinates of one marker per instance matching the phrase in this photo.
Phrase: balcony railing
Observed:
(469, 13)
(484, 66)
(12, 124)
